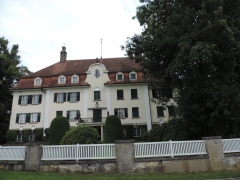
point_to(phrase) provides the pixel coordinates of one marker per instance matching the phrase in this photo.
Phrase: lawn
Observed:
(13, 175)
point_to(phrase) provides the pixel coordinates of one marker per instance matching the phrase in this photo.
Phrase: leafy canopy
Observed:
(10, 73)
(193, 47)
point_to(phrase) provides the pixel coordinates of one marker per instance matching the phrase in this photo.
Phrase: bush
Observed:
(81, 134)
(59, 126)
(39, 134)
(113, 129)
(11, 136)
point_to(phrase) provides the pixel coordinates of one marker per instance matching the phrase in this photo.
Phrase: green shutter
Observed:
(17, 118)
(55, 97)
(78, 96)
(30, 99)
(28, 117)
(116, 112)
(39, 116)
(69, 94)
(68, 114)
(40, 99)
(19, 99)
(126, 112)
(64, 97)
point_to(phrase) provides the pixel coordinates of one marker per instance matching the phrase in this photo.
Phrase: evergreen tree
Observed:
(10, 73)
(193, 47)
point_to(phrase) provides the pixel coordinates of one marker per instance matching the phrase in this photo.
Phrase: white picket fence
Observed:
(169, 148)
(79, 152)
(231, 145)
(12, 153)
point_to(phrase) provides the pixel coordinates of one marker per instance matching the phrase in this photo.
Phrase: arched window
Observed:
(97, 73)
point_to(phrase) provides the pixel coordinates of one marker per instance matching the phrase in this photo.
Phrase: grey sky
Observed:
(41, 27)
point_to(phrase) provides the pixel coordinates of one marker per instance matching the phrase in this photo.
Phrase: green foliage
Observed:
(195, 51)
(39, 134)
(58, 127)
(11, 136)
(113, 129)
(82, 135)
(10, 73)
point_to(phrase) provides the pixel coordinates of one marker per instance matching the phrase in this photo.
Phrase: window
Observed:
(162, 92)
(97, 95)
(28, 117)
(72, 115)
(61, 79)
(160, 111)
(119, 76)
(136, 132)
(134, 94)
(36, 99)
(37, 81)
(32, 137)
(121, 112)
(124, 132)
(120, 94)
(171, 110)
(135, 112)
(24, 100)
(75, 78)
(73, 96)
(97, 73)
(59, 97)
(133, 75)
(20, 137)
(59, 113)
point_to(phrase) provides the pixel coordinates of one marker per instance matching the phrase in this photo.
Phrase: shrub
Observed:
(113, 129)
(11, 136)
(39, 134)
(58, 128)
(81, 134)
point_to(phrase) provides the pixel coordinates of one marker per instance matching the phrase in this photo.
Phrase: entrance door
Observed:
(97, 115)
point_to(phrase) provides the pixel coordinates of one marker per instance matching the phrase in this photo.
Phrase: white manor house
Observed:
(89, 88)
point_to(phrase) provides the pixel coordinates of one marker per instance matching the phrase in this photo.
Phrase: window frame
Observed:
(37, 81)
(60, 78)
(74, 76)
(119, 73)
(135, 114)
(130, 75)
(118, 94)
(97, 95)
(132, 93)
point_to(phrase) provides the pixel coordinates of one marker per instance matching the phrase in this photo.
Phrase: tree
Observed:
(113, 129)
(10, 73)
(193, 47)
(82, 135)
(59, 126)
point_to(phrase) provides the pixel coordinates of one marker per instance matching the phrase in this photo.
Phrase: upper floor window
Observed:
(24, 100)
(133, 75)
(121, 112)
(59, 97)
(97, 95)
(73, 96)
(171, 110)
(135, 112)
(72, 115)
(75, 78)
(119, 76)
(160, 111)
(120, 94)
(36, 99)
(30, 99)
(37, 81)
(28, 117)
(97, 73)
(61, 79)
(134, 94)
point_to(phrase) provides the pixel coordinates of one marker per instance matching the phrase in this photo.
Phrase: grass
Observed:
(13, 175)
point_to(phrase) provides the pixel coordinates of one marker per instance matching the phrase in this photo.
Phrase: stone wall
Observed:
(126, 163)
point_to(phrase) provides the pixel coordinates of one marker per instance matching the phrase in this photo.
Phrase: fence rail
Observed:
(79, 152)
(12, 153)
(170, 148)
(231, 145)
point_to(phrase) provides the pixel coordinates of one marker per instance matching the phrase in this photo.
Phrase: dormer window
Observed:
(37, 81)
(97, 73)
(75, 78)
(119, 76)
(61, 79)
(133, 75)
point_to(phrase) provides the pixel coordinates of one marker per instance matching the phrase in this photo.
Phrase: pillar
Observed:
(125, 155)
(215, 152)
(33, 156)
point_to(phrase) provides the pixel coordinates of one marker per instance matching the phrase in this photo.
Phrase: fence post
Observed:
(77, 152)
(171, 148)
(125, 155)
(215, 152)
(33, 156)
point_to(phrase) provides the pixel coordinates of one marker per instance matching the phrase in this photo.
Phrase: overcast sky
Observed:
(41, 27)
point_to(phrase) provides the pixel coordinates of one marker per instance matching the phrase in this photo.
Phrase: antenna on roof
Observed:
(101, 47)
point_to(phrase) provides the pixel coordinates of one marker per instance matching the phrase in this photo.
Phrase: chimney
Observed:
(63, 54)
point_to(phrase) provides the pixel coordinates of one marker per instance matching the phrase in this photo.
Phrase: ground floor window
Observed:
(32, 137)
(20, 137)
(136, 132)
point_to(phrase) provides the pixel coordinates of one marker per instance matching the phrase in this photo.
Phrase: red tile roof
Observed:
(50, 74)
